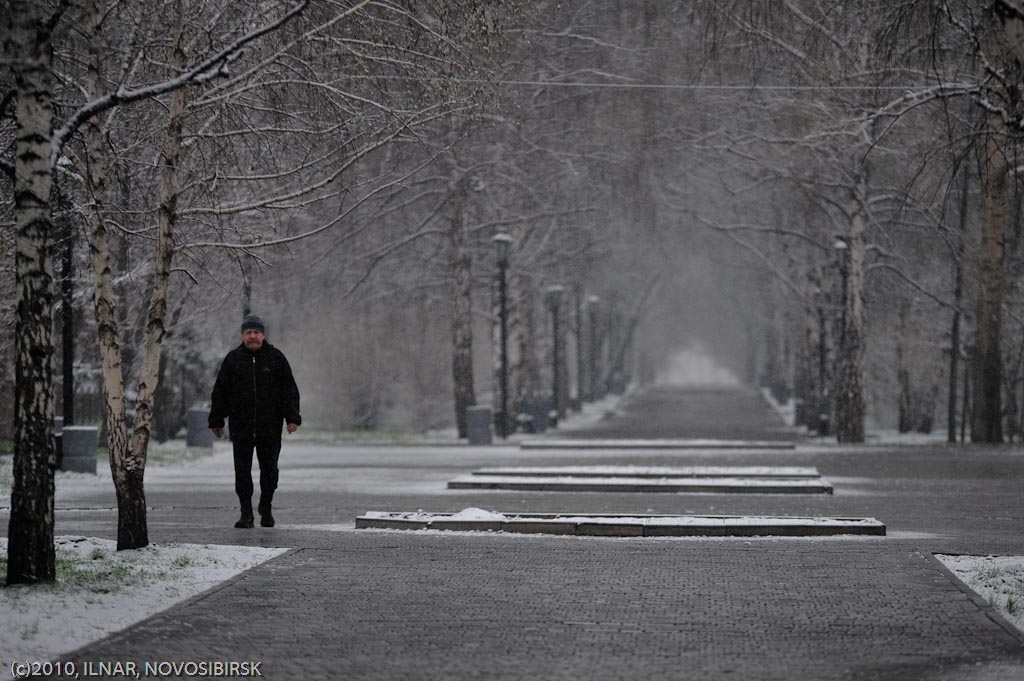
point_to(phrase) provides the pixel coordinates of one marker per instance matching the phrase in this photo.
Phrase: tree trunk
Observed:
(105, 305)
(802, 381)
(595, 369)
(30, 550)
(462, 319)
(986, 413)
(504, 412)
(628, 328)
(560, 329)
(526, 372)
(965, 410)
(750, 354)
(578, 301)
(67, 314)
(904, 419)
(958, 295)
(132, 532)
(849, 377)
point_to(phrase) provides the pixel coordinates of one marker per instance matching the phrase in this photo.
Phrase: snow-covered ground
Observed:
(997, 579)
(100, 591)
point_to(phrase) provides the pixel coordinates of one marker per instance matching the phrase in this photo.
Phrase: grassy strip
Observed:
(96, 573)
(6, 475)
(166, 454)
(99, 572)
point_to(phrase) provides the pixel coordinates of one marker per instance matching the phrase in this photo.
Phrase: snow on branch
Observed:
(212, 67)
(317, 230)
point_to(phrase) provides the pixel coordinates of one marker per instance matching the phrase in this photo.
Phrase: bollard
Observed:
(540, 410)
(478, 425)
(199, 433)
(79, 445)
(824, 418)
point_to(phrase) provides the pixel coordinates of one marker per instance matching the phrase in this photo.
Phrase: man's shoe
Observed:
(246, 521)
(266, 519)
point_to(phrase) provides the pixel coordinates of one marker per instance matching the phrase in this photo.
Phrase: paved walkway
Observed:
(355, 605)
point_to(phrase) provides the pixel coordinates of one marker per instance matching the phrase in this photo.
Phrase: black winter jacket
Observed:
(256, 392)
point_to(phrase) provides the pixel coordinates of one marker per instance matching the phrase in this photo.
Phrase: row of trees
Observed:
(784, 180)
(345, 161)
(195, 136)
(891, 129)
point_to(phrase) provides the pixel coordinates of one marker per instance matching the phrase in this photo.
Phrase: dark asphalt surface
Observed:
(391, 605)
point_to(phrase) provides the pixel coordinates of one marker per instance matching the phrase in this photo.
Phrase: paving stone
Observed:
(392, 606)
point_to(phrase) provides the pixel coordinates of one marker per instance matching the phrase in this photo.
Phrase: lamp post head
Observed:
(554, 295)
(842, 248)
(502, 248)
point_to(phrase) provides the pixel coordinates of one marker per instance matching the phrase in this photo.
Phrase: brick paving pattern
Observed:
(394, 605)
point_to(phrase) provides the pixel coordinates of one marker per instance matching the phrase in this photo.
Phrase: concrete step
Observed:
(710, 485)
(654, 471)
(655, 444)
(605, 525)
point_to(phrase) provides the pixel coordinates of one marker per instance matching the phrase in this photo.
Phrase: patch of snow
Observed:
(101, 590)
(717, 481)
(590, 414)
(696, 521)
(655, 471)
(894, 437)
(787, 411)
(694, 366)
(476, 514)
(471, 513)
(997, 579)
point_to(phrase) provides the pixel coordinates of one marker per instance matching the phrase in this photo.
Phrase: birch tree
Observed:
(30, 55)
(30, 531)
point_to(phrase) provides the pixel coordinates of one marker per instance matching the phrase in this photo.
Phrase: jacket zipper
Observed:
(254, 398)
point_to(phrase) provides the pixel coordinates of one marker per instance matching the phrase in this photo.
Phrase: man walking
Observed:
(256, 392)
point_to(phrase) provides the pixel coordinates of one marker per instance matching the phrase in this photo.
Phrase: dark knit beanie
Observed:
(251, 321)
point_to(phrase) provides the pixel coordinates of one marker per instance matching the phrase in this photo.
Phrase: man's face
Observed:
(253, 339)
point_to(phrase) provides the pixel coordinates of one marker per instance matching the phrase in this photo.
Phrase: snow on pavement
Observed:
(101, 591)
(999, 580)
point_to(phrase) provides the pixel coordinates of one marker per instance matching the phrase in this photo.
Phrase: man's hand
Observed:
(219, 432)
(292, 427)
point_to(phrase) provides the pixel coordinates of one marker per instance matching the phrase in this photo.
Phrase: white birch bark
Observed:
(30, 547)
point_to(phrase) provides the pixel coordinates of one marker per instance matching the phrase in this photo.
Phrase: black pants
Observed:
(267, 452)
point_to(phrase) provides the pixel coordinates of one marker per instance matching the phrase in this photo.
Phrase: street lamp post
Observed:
(846, 409)
(503, 249)
(554, 300)
(822, 408)
(843, 256)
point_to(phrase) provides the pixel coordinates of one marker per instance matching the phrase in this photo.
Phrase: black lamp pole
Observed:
(503, 246)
